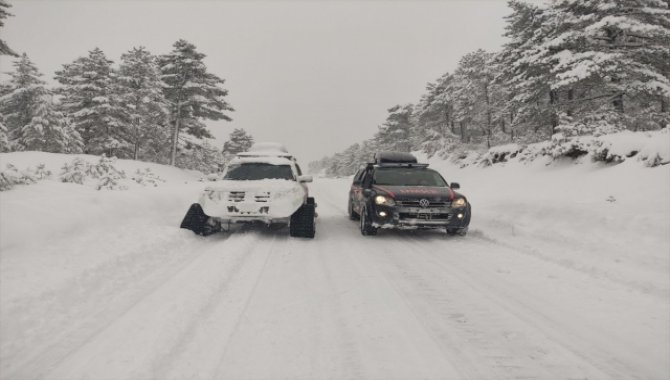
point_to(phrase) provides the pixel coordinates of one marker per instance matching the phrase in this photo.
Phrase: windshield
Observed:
(257, 171)
(408, 177)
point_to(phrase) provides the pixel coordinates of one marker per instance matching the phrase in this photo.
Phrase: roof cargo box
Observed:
(395, 158)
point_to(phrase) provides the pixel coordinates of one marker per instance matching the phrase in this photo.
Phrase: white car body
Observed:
(264, 200)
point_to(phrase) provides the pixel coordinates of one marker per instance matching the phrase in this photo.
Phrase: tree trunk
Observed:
(553, 100)
(175, 135)
(571, 97)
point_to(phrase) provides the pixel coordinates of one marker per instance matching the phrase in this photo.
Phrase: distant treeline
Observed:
(574, 67)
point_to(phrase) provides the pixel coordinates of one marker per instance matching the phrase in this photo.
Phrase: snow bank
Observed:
(650, 148)
(611, 220)
(33, 214)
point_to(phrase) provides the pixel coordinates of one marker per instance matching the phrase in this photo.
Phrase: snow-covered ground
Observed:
(564, 275)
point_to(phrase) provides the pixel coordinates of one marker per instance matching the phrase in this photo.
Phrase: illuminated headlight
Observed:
(383, 200)
(458, 203)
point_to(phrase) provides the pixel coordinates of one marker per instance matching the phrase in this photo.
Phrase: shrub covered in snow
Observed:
(75, 171)
(41, 172)
(11, 176)
(147, 178)
(108, 174)
(651, 148)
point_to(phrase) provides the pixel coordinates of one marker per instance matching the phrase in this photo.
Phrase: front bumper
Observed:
(409, 217)
(238, 207)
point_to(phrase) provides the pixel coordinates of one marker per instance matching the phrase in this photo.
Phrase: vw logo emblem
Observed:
(424, 203)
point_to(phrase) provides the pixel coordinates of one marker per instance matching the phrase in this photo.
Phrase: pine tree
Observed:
(142, 98)
(21, 96)
(239, 141)
(609, 58)
(4, 141)
(435, 115)
(203, 157)
(395, 133)
(48, 131)
(525, 79)
(4, 48)
(194, 94)
(90, 99)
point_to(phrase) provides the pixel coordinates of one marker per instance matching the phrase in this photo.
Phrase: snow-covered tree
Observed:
(4, 48)
(239, 141)
(21, 95)
(193, 93)
(528, 107)
(48, 131)
(203, 157)
(90, 99)
(108, 175)
(395, 133)
(75, 171)
(608, 57)
(435, 115)
(141, 95)
(4, 140)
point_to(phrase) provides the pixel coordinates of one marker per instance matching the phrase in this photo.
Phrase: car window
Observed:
(408, 177)
(257, 171)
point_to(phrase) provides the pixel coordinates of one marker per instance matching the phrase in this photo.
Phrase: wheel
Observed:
(302, 222)
(366, 228)
(195, 220)
(351, 212)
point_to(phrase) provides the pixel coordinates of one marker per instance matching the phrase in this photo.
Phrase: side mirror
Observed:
(305, 178)
(455, 185)
(367, 193)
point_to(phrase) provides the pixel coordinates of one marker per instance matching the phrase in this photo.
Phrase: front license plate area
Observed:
(425, 211)
(424, 216)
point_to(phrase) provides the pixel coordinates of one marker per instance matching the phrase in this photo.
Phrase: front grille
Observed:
(236, 196)
(416, 204)
(262, 197)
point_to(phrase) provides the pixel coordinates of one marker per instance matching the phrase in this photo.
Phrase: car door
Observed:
(356, 190)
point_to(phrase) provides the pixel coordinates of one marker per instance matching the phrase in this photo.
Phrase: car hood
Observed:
(412, 193)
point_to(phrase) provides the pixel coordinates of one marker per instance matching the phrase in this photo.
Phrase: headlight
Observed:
(458, 203)
(383, 200)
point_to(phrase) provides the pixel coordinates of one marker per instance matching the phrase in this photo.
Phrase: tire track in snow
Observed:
(206, 311)
(564, 351)
(38, 331)
(132, 344)
(245, 307)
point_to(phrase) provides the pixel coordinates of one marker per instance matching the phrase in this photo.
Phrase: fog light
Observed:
(382, 214)
(459, 216)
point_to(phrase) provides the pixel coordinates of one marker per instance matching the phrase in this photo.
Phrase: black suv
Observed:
(396, 192)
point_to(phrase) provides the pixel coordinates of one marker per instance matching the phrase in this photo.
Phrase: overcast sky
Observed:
(315, 75)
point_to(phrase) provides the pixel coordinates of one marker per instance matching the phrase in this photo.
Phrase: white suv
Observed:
(263, 185)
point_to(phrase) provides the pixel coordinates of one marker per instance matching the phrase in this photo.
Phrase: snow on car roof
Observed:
(268, 147)
(272, 160)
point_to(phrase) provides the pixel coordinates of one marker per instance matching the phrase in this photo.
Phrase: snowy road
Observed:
(156, 302)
